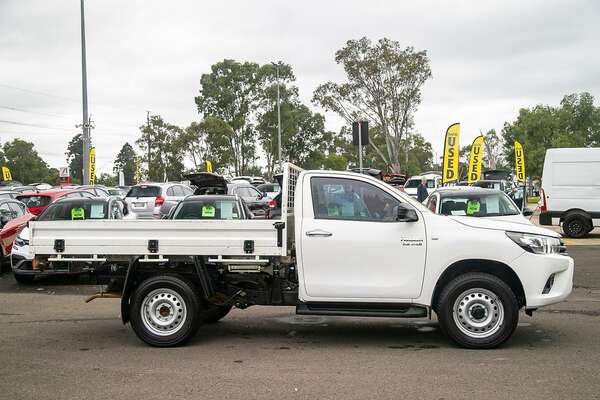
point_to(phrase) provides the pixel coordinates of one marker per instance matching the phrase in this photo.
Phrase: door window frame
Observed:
(400, 202)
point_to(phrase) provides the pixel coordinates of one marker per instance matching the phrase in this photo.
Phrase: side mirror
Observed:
(3, 220)
(406, 215)
(527, 212)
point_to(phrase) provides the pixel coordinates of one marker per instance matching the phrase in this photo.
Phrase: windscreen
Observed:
(35, 200)
(208, 209)
(144, 191)
(478, 205)
(73, 211)
(412, 183)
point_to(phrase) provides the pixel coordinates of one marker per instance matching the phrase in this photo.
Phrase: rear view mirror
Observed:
(406, 214)
(527, 212)
(3, 220)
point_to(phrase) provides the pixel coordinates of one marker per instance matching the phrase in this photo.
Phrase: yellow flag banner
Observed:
(451, 153)
(519, 162)
(475, 160)
(6, 176)
(208, 166)
(92, 166)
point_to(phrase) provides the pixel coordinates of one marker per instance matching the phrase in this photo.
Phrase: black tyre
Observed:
(165, 311)
(577, 225)
(478, 311)
(23, 278)
(214, 313)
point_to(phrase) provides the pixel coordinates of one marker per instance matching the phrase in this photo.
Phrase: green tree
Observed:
(125, 162)
(384, 84)
(575, 123)
(26, 165)
(492, 150)
(162, 150)
(108, 179)
(231, 92)
(208, 140)
(74, 155)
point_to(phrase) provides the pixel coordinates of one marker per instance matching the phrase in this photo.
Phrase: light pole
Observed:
(85, 138)
(278, 114)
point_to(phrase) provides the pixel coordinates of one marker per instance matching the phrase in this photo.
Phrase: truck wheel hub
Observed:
(478, 313)
(163, 312)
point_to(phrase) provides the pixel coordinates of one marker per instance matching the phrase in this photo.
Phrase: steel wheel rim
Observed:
(576, 227)
(163, 312)
(478, 313)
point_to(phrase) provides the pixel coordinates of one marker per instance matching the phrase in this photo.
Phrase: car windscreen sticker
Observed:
(77, 213)
(332, 211)
(97, 211)
(472, 207)
(208, 211)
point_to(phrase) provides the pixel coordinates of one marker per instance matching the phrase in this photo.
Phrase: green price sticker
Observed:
(333, 212)
(77, 213)
(208, 211)
(473, 207)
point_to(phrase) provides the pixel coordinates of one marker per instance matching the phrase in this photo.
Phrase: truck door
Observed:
(353, 246)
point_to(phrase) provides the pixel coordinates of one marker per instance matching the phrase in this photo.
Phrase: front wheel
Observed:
(165, 311)
(478, 311)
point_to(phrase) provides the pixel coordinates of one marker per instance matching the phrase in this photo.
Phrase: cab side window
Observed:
(17, 209)
(352, 200)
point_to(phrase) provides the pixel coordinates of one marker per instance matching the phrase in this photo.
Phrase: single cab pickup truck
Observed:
(346, 244)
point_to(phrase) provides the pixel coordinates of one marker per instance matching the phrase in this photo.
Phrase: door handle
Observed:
(318, 233)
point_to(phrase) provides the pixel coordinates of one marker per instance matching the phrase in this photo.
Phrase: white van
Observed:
(434, 181)
(570, 194)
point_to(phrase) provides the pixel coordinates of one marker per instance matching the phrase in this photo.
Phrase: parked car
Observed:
(146, 200)
(433, 181)
(64, 209)
(270, 189)
(39, 201)
(99, 191)
(475, 202)
(209, 183)
(212, 207)
(117, 191)
(13, 218)
(570, 193)
(253, 180)
(8, 194)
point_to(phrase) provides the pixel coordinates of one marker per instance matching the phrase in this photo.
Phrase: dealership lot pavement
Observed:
(54, 346)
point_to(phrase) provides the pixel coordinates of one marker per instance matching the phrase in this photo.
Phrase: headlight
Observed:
(538, 244)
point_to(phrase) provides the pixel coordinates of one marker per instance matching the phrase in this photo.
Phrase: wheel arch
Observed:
(565, 214)
(492, 267)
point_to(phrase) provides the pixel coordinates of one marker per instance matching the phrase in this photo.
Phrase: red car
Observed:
(39, 201)
(13, 218)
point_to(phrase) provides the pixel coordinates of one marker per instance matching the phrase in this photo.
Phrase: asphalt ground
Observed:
(54, 346)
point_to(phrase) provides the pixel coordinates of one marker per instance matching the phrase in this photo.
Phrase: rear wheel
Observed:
(478, 311)
(165, 311)
(577, 225)
(214, 313)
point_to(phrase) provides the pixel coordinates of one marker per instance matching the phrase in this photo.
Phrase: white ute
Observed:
(347, 244)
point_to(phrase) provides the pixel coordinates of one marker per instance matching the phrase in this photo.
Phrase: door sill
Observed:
(398, 310)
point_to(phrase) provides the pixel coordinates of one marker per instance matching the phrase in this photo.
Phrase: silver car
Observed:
(145, 200)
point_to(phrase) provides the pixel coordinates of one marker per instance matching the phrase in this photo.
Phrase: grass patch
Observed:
(533, 200)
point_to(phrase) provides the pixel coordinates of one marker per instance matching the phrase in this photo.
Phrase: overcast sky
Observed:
(488, 59)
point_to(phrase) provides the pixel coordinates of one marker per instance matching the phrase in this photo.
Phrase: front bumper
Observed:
(535, 270)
